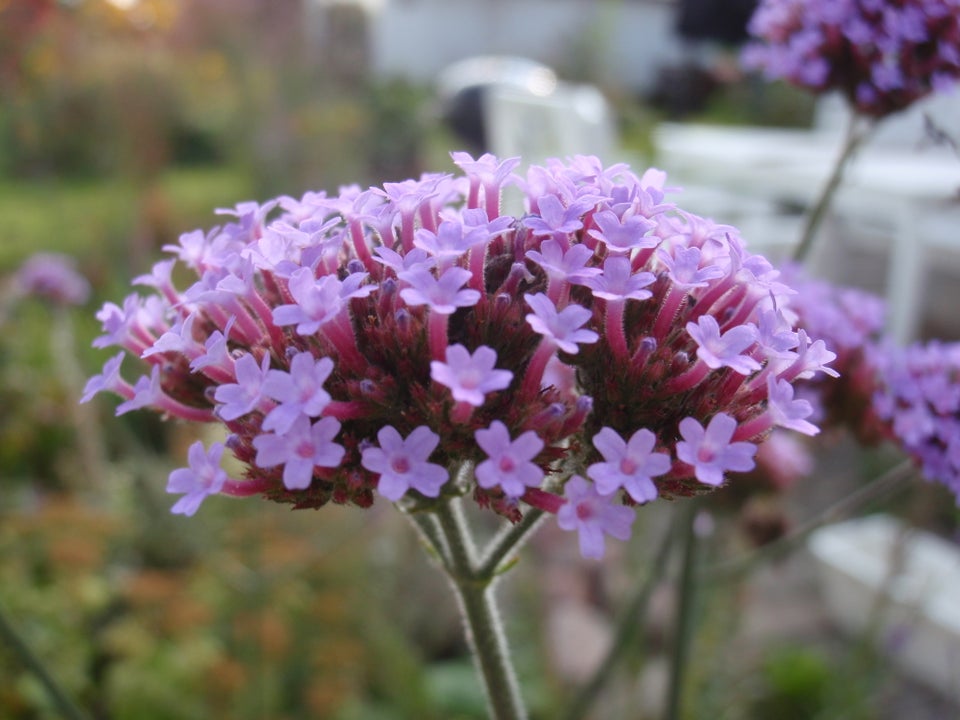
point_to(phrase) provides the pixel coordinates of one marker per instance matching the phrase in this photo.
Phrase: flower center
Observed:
(706, 454)
(628, 466)
(400, 465)
(584, 511)
(305, 449)
(507, 464)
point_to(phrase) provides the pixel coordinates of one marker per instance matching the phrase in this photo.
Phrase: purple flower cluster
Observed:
(881, 54)
(601, 350)
(53, 277)
(850, 321)
(919, 396)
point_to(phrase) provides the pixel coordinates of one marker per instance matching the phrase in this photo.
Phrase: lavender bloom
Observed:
(470, 377)
(204, 477)
(629, 465)
(787, 412)
(245, 395)
(684, 268)
(882, 56)
(317, 302)
(299, 392)
(387, 317)
(443, 295)
(592, 515)
(52, 277)
(109, 380)
(710, 451)
(569, 265)
(724, 350)
(554, 218)
(622, 235)
(563, 328)
(618, 282)
(918, 396)
(403, 463)
(508, 463)
(302, 448)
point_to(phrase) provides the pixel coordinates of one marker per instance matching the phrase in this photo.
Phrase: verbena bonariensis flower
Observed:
(411, 341)
(850, 322)
(881, 54)
(53, 277)
(918, 394)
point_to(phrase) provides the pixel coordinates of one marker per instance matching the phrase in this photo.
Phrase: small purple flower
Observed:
(623, 235)
(109, 380)
(216, 352)
(710, 451)
(774, 333)
(299, 392)
(684, 269)
(178, 339)
(245, 394)
(449, 241)
(488, 169)
(725, 350)
(204, 477)
(146, 391)
(628, 465)
(416, 259)
(443, 295)
(554, 218)
(317, 302)
(570, 265)
(563, 328)
(302, 448)
(592, 515)
(619, 282)
(470, 377)
(403, 464)
(509, 462)
(787, 412)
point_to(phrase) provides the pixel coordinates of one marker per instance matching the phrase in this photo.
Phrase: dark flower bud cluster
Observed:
(882, 55)
(596, 351)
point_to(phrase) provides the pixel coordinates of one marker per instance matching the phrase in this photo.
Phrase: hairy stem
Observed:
(481, 616)
(507, 541)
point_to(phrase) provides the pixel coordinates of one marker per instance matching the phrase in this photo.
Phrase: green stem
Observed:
(426, 523)
(625, 632)
(873, 491)
(64, 705)
(683, 632)
(483, 627)
(855, 135)
(507, 541)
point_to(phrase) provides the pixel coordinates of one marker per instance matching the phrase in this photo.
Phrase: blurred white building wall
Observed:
(621, 43)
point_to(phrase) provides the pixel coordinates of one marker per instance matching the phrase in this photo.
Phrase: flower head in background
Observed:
(603, 349)
(918, 395)
(850, 322)
(882, 55)
(52, 277)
